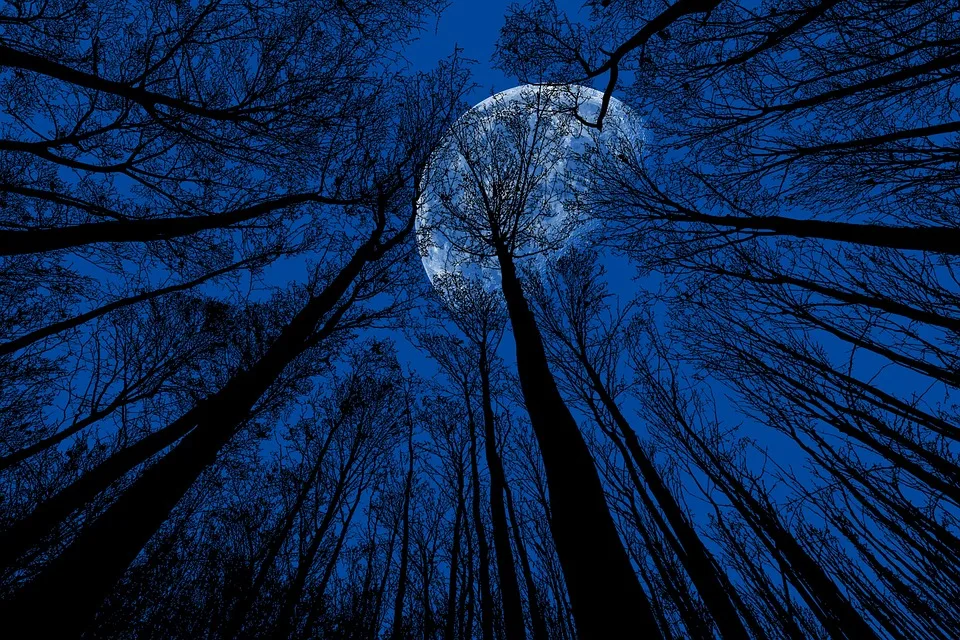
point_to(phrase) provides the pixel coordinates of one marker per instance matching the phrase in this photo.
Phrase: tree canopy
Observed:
(662, 342)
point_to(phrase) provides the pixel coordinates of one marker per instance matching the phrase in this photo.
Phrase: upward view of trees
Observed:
(704, 388)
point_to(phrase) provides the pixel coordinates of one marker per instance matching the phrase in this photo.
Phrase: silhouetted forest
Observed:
(232, 404)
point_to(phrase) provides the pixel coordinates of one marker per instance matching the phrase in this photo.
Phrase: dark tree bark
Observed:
(533, 597)
(287, 618)
(506, 568)
(148, 99)
(469, 599)
(873, 301)
(945, 240)
(712, 584)
(388, 561)
(828, 603)
(450, 629)
(51, 441)
(249, 595)
(28, 532)
(483, 547)
(71, 323)
(319, 604)
(13, 243)
(398, 604)
(604, 590)
(104, 549)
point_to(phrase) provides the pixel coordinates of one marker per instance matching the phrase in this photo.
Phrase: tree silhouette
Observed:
(497, 203)
(683, 365)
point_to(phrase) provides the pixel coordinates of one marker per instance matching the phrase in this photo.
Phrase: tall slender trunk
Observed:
(102, 551)
(426, 563)
(605, 593)
(31, 530)
(149, 100)
(483, 548)
(533, 598)
(695, 621)
(756, 576)
(829, 604)
(28, 532)
(286, 623)
(931, 239)
(362, 621)
(7, 461)
(868, 299)
(397, 633)
(930, 538)
(509, 589)
(562, 620)
(378, 608)
(657, 596)
(249, 596)
(15, 243)
(880, 609)
(712, 583)
(449, 632)
(319, 605)
(469, 595)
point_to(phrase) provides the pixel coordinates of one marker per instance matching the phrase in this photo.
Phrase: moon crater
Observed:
(473, 167)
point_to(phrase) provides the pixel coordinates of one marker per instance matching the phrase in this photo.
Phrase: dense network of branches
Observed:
(233, 406)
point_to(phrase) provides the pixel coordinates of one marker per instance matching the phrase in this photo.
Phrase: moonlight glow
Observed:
(564, 176)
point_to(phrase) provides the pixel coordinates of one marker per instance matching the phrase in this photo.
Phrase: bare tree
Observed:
(494, 193)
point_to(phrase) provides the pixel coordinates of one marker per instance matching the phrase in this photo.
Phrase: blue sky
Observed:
(474, 27)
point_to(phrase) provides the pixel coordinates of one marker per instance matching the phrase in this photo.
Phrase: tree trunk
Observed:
(286, 622)
(30, 531)
(319, 605)
(828, 603)
(449, 632)
(397, 633)
(931, 239)
(605, 593)
(286, 619)
(483, 549)
(509, 589)
(533, 599)
(675, 587)
(71, 323)
(711, 583)
(8, 461)
(469, 602)
(149, 100)
(14, 243)
(249, 596)
(388, 561)
(102, 551)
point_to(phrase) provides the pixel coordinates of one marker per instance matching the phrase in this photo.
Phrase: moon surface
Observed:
(440, 254)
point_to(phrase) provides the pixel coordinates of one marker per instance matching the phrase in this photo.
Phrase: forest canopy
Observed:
(706, 386)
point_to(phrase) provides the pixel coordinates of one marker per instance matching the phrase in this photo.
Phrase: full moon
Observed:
(563, 112)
